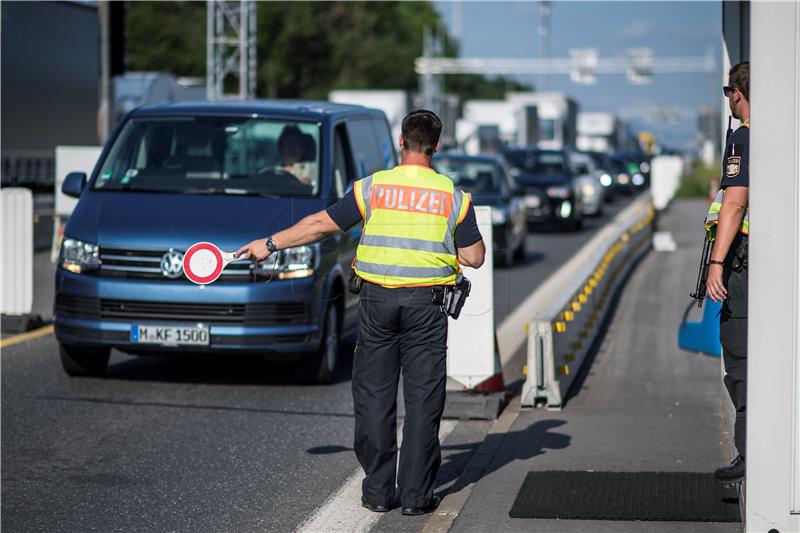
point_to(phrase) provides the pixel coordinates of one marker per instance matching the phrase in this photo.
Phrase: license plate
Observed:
(532, 201)
(170, 335)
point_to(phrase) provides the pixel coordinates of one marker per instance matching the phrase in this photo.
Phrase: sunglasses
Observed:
(728, 91)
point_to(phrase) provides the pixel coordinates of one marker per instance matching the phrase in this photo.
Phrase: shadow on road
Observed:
(499, 449)
(226, 369)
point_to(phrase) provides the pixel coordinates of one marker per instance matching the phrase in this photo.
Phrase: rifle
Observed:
(699, 293)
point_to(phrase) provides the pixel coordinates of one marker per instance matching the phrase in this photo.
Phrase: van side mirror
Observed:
(74, 184)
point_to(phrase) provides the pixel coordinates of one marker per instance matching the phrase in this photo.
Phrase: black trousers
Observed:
(733, 336)
(400, 330)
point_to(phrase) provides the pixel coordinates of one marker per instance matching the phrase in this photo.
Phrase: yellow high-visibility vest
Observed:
(410, 216)
(712, 218)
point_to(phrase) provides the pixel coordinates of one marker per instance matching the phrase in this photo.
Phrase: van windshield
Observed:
(214, 155)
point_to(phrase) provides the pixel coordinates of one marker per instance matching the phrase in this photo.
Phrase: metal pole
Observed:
(210, 49)
(544, 38)
(103, 112)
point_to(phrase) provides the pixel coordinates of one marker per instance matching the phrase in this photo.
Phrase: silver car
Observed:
(587, 184)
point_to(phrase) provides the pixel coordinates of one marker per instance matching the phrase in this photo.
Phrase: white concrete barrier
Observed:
(571, 305)
(17, 249)
(470, 339)
(665, 177)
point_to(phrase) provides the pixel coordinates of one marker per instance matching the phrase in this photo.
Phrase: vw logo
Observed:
(172, 264)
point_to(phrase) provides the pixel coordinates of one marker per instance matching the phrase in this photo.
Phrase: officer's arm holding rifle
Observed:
(734, 204)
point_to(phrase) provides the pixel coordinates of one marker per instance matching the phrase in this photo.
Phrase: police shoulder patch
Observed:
(733, 166)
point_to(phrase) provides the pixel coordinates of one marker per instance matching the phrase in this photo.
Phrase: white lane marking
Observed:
(342, 511)
(663, 242)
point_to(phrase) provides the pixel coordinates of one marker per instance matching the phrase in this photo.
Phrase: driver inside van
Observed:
(293, 148)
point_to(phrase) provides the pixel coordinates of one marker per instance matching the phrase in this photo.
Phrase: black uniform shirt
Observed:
(345, 214)
(736, 164)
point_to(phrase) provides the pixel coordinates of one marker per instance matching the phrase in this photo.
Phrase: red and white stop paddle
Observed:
(203, 262)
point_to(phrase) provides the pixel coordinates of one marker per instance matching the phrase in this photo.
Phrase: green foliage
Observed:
(697, 182)
(304, 49)
(166, 36)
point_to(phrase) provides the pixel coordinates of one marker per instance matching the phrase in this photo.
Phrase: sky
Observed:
(673, 29)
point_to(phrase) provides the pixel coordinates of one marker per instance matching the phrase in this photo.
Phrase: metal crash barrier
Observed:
(575, 300)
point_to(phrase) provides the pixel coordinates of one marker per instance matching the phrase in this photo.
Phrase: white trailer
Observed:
(557, 117)
(599, 132)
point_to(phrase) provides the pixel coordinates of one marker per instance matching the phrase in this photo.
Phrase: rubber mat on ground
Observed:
(626, 496)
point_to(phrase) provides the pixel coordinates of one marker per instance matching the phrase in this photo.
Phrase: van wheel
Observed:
(79, 361)
(320, 366)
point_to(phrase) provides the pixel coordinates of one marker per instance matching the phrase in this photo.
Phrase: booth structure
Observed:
(768, 35)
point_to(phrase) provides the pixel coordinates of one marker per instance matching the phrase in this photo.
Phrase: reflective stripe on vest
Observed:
(712, 218)
(410, 216)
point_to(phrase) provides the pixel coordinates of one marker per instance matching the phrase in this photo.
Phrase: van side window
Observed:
(384, 137)
(365, 148)
(342, 169)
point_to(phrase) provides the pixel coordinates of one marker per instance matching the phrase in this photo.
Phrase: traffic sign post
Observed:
(203, 262)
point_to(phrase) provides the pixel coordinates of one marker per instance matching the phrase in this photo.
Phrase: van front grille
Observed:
(146, 264)
(258, 314)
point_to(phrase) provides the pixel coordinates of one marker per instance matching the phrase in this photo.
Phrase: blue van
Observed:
(223, 172)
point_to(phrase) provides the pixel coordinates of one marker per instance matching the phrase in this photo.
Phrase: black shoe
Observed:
(375, 508)
(731, 474)
(414, 511)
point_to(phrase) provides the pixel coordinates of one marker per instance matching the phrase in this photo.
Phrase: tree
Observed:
(304, 49)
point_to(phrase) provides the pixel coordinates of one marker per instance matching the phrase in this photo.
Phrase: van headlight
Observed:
(291, 263)
(79, 257)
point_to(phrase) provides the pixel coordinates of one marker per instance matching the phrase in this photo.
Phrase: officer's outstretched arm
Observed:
(310, 229)
(472, 256)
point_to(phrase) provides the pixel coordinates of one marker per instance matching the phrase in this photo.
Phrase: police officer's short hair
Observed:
(421, 130)
(739, 78)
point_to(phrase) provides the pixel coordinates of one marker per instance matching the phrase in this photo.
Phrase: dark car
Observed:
(548, 182)
(636, 166)
(224, 172)
(487, 180)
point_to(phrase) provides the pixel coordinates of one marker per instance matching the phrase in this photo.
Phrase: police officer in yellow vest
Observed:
(418, 228)
(728, 224)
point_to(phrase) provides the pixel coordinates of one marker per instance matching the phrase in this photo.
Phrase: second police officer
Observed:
(418, 229)
(728, 223)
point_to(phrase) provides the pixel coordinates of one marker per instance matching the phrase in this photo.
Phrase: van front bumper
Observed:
(279, 319)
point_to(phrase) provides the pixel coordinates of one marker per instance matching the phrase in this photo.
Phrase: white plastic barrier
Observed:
(471, 357)
(665, 177)
(573, 302)
(17, 249)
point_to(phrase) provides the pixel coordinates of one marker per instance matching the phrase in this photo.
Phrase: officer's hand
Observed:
(714, 287)
(256, 249)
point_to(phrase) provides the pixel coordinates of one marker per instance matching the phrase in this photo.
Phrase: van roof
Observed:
(308, 109)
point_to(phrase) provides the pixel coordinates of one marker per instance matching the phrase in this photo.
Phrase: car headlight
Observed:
(638, 180)
(623, 179)
(587, 189)
(499, 215)
(605, 180)
(291, 263)
(79, 257)
(558, 192)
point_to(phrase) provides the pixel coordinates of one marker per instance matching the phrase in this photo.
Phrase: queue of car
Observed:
(176, 174)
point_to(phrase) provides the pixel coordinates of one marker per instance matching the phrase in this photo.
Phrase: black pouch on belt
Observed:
(354, 283)
(455, 296)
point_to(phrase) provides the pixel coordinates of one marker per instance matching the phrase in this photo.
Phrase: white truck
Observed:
(600, 132)
(556, 114)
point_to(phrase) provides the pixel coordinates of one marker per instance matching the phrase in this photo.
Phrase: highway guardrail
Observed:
(573, 303)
